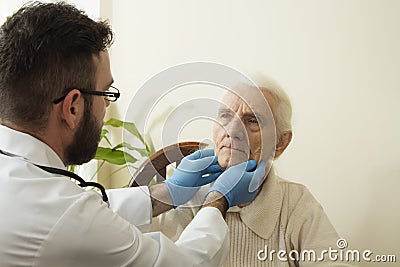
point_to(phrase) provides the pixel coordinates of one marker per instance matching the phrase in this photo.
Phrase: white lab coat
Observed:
(47, 220)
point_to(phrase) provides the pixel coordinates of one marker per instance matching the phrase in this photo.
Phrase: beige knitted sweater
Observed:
(284, 216)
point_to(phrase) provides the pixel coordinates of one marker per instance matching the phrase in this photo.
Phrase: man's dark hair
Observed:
(46, 49)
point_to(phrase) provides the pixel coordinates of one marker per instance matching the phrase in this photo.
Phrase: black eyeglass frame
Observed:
(115, 95)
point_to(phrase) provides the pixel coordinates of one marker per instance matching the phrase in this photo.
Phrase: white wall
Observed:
(338, 61)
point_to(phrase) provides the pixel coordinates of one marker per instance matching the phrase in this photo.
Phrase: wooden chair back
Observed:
(156, 164)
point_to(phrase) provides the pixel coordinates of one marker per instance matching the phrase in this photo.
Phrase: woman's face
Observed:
(243, 131)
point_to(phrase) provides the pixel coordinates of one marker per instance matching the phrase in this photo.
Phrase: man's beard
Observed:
(86, 140)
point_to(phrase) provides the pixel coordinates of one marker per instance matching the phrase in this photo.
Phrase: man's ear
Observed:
(72, 108)
(282, 144)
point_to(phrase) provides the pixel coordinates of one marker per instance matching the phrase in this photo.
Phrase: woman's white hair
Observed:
(280, 105)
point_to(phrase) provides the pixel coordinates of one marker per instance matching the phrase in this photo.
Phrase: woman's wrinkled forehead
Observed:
(251, 98)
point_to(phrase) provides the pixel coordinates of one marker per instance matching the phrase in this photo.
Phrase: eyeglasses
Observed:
(112, 94)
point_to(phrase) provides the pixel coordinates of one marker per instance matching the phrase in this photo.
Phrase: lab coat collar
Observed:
(262, 215)
(28, 147)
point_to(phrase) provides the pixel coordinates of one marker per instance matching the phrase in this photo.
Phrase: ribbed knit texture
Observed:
(245, 244)
(285, 216)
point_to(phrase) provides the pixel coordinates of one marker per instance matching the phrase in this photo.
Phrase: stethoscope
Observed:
(81, 181)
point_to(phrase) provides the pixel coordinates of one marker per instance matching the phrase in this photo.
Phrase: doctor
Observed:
(55, 85)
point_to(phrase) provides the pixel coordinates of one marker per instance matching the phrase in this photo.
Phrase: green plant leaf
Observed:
(115, 154)
(114, 123)
(104, 133)
(129, 126)
(152, 182)
(116, 157)
(149, 145)
(71, 168)
(142, 151)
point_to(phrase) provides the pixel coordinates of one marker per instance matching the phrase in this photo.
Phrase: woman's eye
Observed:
(253, 121)
(225, 116)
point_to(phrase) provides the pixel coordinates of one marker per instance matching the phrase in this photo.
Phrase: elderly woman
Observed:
(284, 225)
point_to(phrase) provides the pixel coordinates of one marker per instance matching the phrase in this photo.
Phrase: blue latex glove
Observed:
(188, 176)
(239, 184)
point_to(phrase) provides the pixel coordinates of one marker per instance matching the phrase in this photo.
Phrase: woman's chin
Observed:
(226, 162)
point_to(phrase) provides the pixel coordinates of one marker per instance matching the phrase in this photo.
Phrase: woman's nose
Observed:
(236, 129)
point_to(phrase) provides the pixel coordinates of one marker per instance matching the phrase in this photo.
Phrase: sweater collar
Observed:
(262, 215)
(28, 147)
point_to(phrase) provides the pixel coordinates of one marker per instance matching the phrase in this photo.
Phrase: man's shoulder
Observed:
(48, 194)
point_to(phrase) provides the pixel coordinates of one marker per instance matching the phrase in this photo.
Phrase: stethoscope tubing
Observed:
(82, 182)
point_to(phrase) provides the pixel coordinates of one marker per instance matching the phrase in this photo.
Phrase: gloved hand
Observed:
(188, 176)
(239, 183)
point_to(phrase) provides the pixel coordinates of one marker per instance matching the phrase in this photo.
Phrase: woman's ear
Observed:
(282, 144)
(72, 108)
